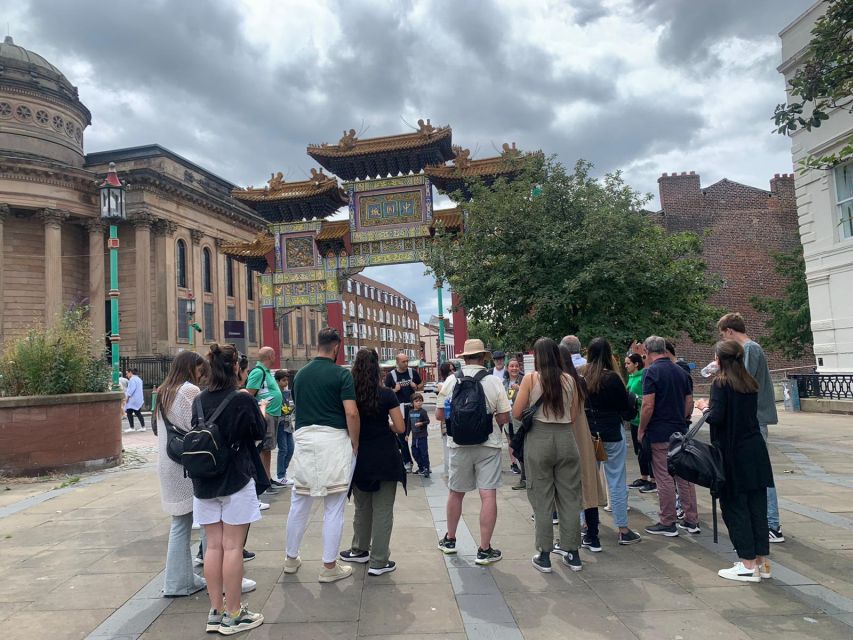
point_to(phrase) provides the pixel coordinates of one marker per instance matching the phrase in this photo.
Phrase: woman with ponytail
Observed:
(226, 504)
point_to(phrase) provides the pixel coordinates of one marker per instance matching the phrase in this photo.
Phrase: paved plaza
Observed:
(85, 561)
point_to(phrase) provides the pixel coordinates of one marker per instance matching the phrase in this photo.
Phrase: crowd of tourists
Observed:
(360, 434)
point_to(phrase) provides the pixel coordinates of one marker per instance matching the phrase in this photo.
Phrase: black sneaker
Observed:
(378, 571)
(348, 556)
(487, 556)
(558, 549)
(629, 538)
(555, 519)
(679, 514)
(447, 545)
(572, 560)
(591, 543)
(776, 535)
(650, 487)
(690, 527)
(277, 484)
(427, 473)
(542, 562)
(515, 469)
(662, 530)
(248, 556)
(521, 485)
(639, 483)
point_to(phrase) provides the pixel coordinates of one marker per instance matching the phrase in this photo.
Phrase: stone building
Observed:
(825, 205)
(741, 227)
(52, 240)
(430, 347)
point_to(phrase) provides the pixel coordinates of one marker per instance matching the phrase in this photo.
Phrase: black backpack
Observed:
(697, 462)
(470, 422)
(206, 453)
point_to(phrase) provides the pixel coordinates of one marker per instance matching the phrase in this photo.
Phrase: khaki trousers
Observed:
(552, 466)
(373, 521)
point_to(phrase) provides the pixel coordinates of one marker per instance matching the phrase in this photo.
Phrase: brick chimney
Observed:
(680, 199)
(782, 186)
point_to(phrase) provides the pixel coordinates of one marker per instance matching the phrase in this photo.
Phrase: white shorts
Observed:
(241, 507)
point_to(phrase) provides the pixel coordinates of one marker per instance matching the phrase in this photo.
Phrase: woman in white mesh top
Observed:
(174, 402)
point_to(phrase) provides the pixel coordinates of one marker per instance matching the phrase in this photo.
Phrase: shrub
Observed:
(54, 361)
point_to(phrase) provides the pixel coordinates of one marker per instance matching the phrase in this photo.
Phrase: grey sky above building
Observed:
(645, 86)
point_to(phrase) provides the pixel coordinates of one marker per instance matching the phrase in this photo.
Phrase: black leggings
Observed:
(745, 515)
(130, 413)
(642, 456)
(591, 518)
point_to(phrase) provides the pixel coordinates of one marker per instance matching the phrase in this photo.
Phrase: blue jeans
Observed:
(284, 440)
(617, 480)
(772, 501)
(420, 452)
(180, 580)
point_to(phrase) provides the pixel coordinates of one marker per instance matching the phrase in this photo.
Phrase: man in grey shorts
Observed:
(476, 466)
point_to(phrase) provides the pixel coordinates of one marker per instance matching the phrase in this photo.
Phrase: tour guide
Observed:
(326, 442)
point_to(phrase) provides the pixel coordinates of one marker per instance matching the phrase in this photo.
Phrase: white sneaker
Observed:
(129, 430)
(288, 481)
(143, 428)
(248, 585)
(263, 506)
(740, 573)
(764, 570)
(196, 526)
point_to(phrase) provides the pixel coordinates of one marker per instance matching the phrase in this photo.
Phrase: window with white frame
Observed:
(351, 308)
(349, 286)
(361, 311)
(844, 198)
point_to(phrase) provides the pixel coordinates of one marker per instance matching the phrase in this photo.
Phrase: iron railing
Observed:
(152, 369)
(833, 386)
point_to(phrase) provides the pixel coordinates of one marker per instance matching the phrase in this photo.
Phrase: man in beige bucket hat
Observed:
(475, 466)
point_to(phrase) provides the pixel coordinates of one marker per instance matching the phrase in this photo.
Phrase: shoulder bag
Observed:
(517, 442)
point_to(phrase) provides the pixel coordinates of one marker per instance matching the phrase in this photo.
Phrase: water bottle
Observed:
(447, 409)
(710, 369)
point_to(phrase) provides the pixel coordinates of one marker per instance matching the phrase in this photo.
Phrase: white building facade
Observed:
(825, 209)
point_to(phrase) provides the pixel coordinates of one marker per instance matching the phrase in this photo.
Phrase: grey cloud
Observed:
(692, 28)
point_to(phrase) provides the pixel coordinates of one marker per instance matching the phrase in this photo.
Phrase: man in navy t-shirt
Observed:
(667, 406)
(405, 382)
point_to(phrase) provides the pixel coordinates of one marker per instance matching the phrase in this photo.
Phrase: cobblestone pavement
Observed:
(83, 557)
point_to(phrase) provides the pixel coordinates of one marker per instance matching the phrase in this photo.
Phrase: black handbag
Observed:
(174, 441)
(697, 462)
(517, 442)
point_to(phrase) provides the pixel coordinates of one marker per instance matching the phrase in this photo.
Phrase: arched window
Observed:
(181, 265)
(229, 277)
(351, 309)
(360, 311)
(207, 270)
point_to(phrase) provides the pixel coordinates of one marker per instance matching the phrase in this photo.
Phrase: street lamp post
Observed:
(112, 192)
(438, 286)
(190, 319)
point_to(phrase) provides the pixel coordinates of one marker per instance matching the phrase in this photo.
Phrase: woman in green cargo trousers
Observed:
(551, 458)
(378, 467)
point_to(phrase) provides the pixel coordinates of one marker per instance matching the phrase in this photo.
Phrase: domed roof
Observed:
(25, 69)
(11, 51)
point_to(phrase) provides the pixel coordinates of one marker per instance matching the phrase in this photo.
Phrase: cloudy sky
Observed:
(242, 86)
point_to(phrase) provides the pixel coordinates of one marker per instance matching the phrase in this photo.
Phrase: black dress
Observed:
(379, 458)
(734, 431)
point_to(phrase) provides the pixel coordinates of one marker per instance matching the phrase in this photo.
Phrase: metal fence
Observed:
(833, 386)
(152, 369)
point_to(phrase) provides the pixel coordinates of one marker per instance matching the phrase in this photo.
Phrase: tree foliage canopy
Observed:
(824, 82)
(553, 253)
(790, 319)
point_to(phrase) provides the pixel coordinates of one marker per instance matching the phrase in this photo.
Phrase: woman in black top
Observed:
(226, 504)
(378, 468)
(608, 403)
(733, 416)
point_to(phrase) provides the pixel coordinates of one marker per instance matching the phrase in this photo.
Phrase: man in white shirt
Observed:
(574, 345)
(134, 399)
(475, 466)
(499, 371)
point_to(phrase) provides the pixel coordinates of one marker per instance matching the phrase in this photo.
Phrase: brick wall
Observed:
(23, 281)
(741, 227)
(75, 263)
(75, 433)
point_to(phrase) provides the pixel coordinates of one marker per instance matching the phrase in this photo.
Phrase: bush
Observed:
(54, 361)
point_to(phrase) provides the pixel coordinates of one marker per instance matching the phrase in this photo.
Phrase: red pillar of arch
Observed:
(460, 323)
(335, 318)
(269, 330)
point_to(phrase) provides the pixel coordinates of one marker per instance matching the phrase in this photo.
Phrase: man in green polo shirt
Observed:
(326, 442)
(262, 385)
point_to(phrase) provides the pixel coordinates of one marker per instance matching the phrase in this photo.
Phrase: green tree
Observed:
(789, 324)
(824, 82)
(578, 255)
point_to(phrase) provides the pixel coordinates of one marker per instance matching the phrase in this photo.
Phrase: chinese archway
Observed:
(387, 185)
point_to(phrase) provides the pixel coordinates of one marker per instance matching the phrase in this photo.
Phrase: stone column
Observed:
(53, 219)
(142, 221)
(242, 294)
(221, 302)
(167, 285)
(97, 284)
(4, 213)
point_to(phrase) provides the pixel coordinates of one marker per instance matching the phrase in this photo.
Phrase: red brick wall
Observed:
(741, 227)
(67, 436)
